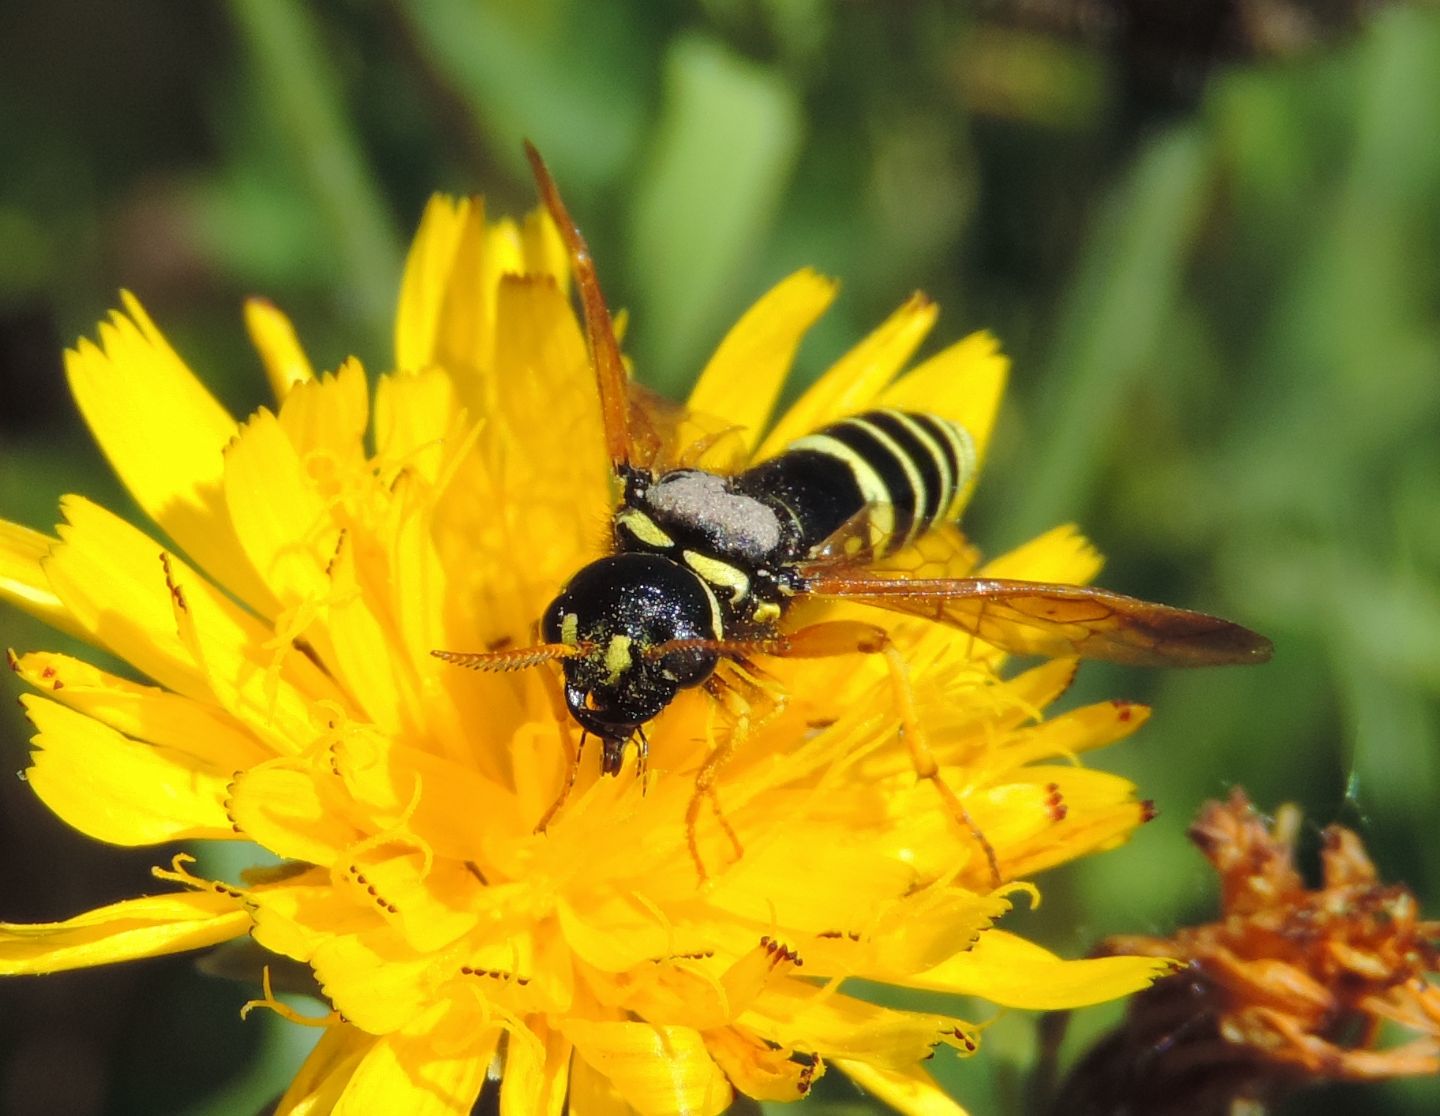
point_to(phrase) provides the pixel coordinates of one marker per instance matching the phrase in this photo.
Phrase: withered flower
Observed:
(1291, 986)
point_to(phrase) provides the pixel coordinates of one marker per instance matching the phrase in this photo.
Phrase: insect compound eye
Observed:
(689, 667)
(553, 622)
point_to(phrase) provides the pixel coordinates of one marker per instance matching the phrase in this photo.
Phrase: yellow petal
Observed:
(282, 522)
(801, 1016)
(110, 579)
(413, 599)
(744, 377)
(451, 806)
(759, 1070)
(468, 319)
(537, 1073)
(430, 904)
(414, 415)
(269, 685)
(374, 980)
(362, 650)
(447, 315)
(616, 931)
(813, 885)
(163, 433)
(925, 926)
(325, 420)
(910, 1090)
(295, 912)
(166, 620)
(279, 806)
(427, 272)
(273, 336)
(326, 1072)
(291, 538)
(593, 1094)
(543, 250)
(437, 1072)
(1101, 812)
(207, 734)
(854, 382)
(678, 991)
(1011, 971)
(658, 1070)
(560, 463)
(23, 582)
(148, 927)
(1060, 555)
(1079, 730)
(547, 372)
(120, 790)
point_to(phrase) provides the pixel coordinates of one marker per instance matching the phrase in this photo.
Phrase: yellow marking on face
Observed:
(570, 629)
(719, 573)
(766, 612)
(644, 528)
(617, 659)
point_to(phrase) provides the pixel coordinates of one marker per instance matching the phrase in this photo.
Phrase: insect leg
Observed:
(844, 637)
(642, 756)
(705, 789)
(728, 695)
(574, 755)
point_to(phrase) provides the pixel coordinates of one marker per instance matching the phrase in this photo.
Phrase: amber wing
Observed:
(1033, 618)
(599, 327)
(643, 430)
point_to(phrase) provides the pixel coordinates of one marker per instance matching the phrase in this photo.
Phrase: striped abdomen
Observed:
(908, 469)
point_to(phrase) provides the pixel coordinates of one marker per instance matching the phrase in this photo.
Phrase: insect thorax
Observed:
(701, 511)
(881, 479)
(733, 541)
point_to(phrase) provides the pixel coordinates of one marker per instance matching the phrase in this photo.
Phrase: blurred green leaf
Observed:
(1110, 326)
(702, 206)
(305, 107)
(569, 76)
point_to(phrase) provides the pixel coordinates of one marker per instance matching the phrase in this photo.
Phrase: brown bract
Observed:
(1292, 985)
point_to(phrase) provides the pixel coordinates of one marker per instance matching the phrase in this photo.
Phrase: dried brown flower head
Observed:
(1291, 986)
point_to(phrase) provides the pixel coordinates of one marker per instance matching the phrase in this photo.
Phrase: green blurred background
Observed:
(1207, 232)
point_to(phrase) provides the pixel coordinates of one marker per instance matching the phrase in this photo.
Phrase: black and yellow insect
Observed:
(705, 565)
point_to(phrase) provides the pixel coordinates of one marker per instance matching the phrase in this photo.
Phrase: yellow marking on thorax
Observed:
(717, 624)
(617, 658)
(718, 573)
(644, 528)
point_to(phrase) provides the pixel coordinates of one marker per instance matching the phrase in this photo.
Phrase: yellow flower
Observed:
(318, 553)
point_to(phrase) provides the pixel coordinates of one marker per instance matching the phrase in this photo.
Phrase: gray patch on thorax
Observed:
(733, 523)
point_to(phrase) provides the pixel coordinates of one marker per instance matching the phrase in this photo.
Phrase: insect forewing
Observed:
(599, 327)
(1034, 618)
